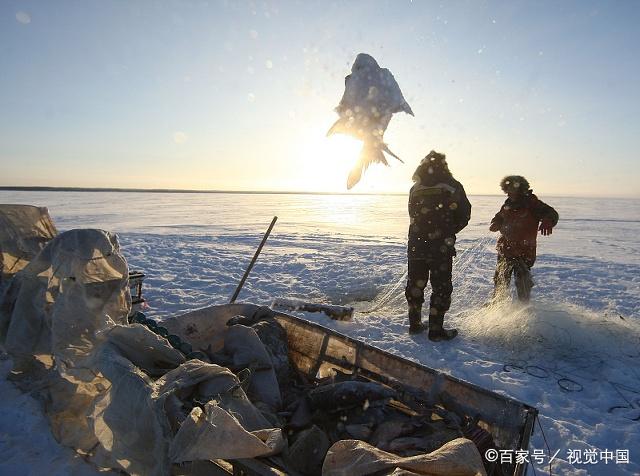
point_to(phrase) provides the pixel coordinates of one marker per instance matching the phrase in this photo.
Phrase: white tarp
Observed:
(118, 392)
(459, 457)
(24, 230)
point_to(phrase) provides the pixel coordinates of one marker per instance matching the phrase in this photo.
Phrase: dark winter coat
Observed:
(438, 209)
(518, 222)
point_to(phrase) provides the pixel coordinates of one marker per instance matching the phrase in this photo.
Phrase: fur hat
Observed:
(434, 163)
(515, 183)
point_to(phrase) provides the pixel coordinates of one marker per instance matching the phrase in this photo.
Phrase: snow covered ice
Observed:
(573, 353)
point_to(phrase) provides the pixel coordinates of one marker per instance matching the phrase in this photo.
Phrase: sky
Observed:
(239, 95)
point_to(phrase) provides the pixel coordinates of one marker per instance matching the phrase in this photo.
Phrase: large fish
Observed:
(371, 97)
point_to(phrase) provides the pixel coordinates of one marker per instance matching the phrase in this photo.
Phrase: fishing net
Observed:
(544, 339)
(391, 299)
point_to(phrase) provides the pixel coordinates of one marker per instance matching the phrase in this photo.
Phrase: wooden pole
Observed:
(255, 257)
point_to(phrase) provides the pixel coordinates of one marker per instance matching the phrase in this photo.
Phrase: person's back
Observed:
(436, 217)
(438, 210)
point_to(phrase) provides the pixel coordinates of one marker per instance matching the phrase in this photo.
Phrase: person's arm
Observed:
(463, 209)
(410, 205)
(496, 221)
(547, 215)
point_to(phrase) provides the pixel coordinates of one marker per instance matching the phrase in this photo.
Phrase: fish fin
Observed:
(381, 158)
(341, 126)
(354, 175)
(335, 127)
(386, 149)
(370, 154)
(406, 108)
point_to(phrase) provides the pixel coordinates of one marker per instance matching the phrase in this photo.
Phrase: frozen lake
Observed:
(583, 325)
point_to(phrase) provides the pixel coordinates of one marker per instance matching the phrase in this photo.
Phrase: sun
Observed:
(328, 160)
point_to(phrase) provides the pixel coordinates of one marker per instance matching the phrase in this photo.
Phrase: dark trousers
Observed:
(420, 271)
(505, 267)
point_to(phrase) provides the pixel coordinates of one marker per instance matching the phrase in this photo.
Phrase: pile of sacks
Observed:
(120, 393)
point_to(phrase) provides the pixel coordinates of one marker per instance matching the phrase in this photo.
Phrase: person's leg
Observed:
(502, 277)
(523, 279)
(440, 299)
(417, 276)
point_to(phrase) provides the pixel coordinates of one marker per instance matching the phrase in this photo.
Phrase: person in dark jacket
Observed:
(518, 221)
(438, 209)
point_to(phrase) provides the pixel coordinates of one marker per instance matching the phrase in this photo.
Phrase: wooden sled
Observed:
(318, 352)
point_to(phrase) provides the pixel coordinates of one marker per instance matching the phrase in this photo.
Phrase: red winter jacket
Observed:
(518, 222)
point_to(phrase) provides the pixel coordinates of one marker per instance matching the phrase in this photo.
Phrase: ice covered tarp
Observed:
(458, 457)
(371, 96)
(115, 391)
(24, 230)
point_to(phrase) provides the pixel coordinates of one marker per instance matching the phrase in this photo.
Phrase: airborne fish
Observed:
(371, 97)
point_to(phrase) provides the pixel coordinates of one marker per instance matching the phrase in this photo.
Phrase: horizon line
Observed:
(46, 188)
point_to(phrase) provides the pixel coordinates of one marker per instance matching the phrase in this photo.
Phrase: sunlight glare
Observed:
(329, 159)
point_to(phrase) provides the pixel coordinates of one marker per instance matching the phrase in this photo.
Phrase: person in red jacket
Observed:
(518, 221)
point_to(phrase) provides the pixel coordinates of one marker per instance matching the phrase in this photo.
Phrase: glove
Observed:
(546, 228)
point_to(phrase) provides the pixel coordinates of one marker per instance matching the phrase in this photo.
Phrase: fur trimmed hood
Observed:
(514, 183)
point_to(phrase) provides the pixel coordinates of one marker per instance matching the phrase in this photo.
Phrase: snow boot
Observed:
(415, 320)
(436, 331)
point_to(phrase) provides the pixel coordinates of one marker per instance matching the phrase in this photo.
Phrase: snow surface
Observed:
(573, 353)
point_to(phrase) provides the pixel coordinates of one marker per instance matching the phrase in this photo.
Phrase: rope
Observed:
(545, 442)
(565, 383)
